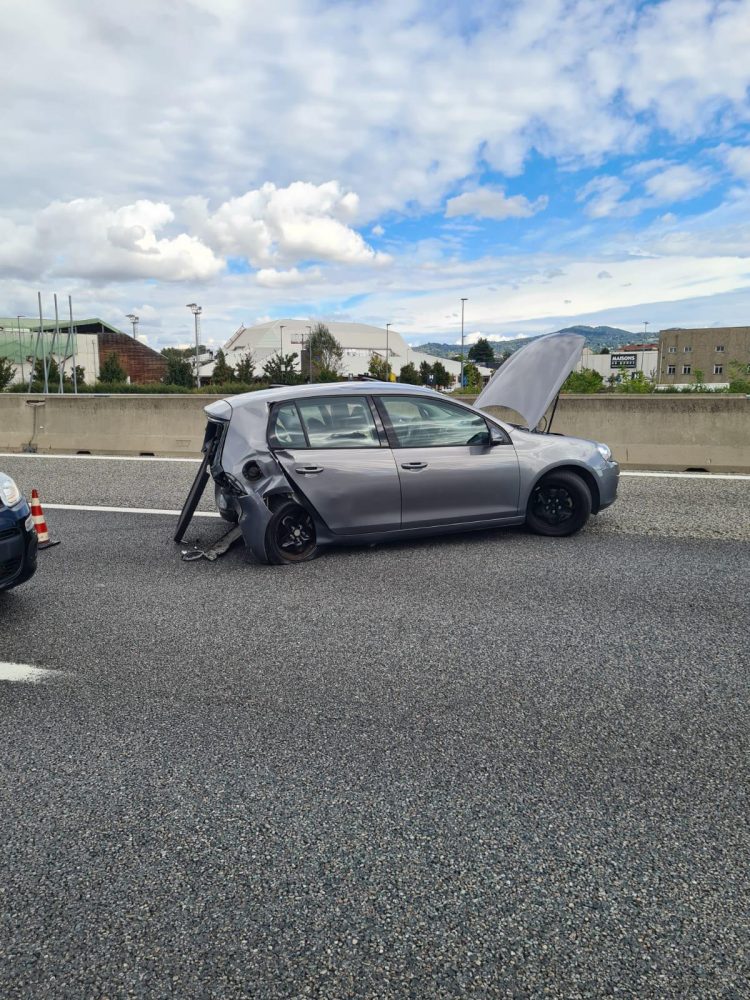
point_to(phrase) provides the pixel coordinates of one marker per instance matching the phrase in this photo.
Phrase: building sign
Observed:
(623, 361)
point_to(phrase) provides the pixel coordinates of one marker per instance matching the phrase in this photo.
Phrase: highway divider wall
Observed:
(671, 431)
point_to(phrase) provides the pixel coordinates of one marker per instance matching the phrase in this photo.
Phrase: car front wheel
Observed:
(560, 504)
(290, 535)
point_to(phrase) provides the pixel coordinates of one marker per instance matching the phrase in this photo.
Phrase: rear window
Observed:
(286, 427)
(339, 422)
(326, 422)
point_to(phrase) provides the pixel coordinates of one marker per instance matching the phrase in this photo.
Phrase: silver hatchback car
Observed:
(300, 468)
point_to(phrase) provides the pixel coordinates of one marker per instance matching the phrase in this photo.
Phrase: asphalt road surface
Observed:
(485, 766)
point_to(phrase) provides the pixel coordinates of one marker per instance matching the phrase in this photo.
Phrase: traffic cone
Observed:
(40, 525)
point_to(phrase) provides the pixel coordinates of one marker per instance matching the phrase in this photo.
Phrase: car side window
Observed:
(286, 428)
(339, 422)
(421, 423)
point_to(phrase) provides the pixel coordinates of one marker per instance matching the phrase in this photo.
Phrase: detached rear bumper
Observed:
(18, 547)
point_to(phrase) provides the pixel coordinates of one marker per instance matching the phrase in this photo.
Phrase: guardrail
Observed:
(650, 432)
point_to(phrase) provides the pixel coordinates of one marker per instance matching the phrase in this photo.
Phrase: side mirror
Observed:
(496, 436)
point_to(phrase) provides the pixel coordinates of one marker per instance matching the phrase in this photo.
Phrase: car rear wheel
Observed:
(290, 535)
(559, 505)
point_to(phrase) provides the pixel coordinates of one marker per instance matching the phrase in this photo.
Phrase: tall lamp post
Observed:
(196, 310)
(309, 352)
(135, 320)
(281, 340)
(463, 301)
(20, 346)
(387, 352)
(645, 325)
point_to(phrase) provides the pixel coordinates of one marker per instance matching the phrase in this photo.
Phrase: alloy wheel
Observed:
(295, 533)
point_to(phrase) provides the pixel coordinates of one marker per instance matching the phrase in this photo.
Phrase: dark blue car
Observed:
(17, 536)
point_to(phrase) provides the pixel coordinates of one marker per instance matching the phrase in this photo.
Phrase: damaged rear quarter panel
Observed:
(246, 441)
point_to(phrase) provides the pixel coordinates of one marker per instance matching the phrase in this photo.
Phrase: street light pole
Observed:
(20, 347)
(463, 301)
(281, 340)
(135, 320)
(645, 324)
(387, 352)
(309, 351)
(196, 310)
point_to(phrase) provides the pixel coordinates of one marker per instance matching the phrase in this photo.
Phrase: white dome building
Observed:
(358, 340)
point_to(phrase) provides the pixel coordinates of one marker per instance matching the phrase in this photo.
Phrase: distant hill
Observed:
(596, 338)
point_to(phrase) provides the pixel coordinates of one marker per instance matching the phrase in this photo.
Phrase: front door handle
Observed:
(414, 466)
(309, 470)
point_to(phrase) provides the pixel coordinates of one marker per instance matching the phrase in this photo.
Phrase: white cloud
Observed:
(88, 239)
(577, 80)
(491, 203)
(738, 161)
(678, 183)
(300, 222)
(663, 183)
(604, 196)
(269, 277)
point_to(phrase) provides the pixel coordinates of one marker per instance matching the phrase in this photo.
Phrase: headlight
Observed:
(604, 451)
(9, 492)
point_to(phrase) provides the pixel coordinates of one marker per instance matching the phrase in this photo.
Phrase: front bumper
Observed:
(609, 479)
(18, 547)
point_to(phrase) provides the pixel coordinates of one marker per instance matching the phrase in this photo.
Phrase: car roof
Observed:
(329, 389)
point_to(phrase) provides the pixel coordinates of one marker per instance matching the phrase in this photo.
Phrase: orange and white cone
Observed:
(40, 525)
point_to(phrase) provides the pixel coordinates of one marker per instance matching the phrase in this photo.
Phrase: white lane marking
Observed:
(687, 475)
(102, 458)
(196, 461)
(23, 673)
(125, 510)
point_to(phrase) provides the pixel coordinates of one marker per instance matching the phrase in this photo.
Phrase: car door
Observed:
(450, 470)
(332, 451)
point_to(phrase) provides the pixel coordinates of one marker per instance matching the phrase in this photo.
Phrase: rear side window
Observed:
(421, 423)
(286, 428)
(339, 422)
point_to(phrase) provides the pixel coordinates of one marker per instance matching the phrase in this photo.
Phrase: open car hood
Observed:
(531, 377)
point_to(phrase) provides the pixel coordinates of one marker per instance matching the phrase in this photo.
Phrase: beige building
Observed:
(717, 354)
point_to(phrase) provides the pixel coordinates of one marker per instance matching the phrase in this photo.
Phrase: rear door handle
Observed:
(414, 466)
(309, 470)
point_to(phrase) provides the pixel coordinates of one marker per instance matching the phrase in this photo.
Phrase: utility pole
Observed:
(309, 351)
(196, 310)
(387, 352)
(463, 301)
(645, 324)
(281, 340)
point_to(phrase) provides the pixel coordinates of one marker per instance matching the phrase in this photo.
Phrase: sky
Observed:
(554, 162)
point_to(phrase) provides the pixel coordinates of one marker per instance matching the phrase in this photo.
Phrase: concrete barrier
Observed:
(112, 425)
(660, 431)
(678, 432)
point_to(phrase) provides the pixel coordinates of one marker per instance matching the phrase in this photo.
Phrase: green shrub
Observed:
(584, 381)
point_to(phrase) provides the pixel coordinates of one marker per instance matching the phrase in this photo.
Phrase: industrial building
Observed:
(90, 343)
(359, 341)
